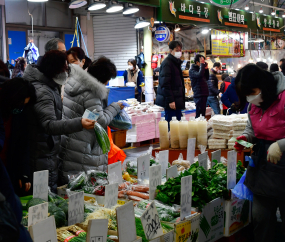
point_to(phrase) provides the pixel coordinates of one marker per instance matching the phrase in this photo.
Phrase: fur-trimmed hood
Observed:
(80, 81)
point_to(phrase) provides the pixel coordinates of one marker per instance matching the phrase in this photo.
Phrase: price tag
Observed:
(126, 223)
(97, 230)
(182, 231)
(143, 168)
(37, 213)
(44, 231)
(203, 160)
(232, 169)
(154, 180)
(111, 195)
(40, 185)
(151, 223)
(216, 155)
(171, 172)
(115, 173)
(191, 150)
(186, 196)
(76, 208)
(163, 161)
(121, 202)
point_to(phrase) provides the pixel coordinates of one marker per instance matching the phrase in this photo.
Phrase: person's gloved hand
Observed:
(274, 153)
(24, 183)
(237, 146)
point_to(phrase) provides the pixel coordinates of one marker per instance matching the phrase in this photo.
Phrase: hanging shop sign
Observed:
(227, 43)
(151, 3)
(162, 34)
(198, 13)
(227, 3)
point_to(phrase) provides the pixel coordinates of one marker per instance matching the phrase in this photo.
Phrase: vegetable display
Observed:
(102, 138)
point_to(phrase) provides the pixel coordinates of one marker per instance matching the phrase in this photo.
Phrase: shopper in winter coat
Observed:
(199, 75)
(171, 89)
(274, 67)
(21, 64)
(224, 86)
(266, 130)
(45, 118)
(230, 99)
(214, 91)
(135, 75)
(16, 96)
(80, 151)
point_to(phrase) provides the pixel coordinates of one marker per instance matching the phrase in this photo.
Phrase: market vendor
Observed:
(135, 75)
(266, 130)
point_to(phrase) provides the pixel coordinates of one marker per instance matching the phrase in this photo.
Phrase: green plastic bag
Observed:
(102, 138)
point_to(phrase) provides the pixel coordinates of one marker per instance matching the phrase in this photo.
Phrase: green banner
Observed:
(208, 15)
(151, 3)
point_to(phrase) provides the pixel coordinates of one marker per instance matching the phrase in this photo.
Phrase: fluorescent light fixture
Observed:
(246, 7)
(37, 1)
(77, 4)
(114, 7)
(141, 23)
(261, 10)
(96, 5)
(205, 31)
(177, 28)
(273, 12)
(130, 9)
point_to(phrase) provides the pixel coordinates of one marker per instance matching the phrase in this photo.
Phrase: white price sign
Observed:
(232, 169)
(186, 196)
(216, 155)
(40, 185)
(154, 180)
(203, 160)
(115, 173)
(111, 195)
(151, 223)
(97, 230)
(171, 172)
(76, 208)
(37, 213)
(163, 161)
(191, 150)
(143, 168)
(126, 223)
(44, 231)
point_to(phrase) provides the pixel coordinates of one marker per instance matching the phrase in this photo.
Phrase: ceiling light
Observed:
(98, 4)
(158, 22)
(261, 10)
(273, 12)
(37, 1)
(205, 31)
(114, 7)
(177, 28)
(246, 7)
(130, 9)
(141, 23)
(77, 4)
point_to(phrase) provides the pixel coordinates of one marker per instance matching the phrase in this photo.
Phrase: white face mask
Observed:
(255, 99)
(130, 67)
(178, 54)
(61, 78)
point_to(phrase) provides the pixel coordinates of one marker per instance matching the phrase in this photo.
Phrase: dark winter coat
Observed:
(199, 77)
(213, 84)
(171, 84)
(46, 125)
(81, 151)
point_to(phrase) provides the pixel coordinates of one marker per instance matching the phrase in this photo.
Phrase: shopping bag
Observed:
(115, 154)
(121, 121)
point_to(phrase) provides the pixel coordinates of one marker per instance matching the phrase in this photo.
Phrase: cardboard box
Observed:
(115, 233)
(237, 215)
(212, 221)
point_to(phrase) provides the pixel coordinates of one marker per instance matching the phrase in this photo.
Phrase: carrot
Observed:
(123, 186)
(138, 194)
(140, 188)
(135, 198)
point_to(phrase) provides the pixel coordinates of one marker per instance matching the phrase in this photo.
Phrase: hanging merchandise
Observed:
(154, 60)
(77, 29)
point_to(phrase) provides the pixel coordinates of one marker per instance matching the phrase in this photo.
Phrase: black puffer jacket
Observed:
(46, 126)
(171, 84)
(213, 84)
(199, 77)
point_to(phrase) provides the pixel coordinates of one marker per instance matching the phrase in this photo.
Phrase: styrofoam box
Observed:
(237, 215)
(131, 138)
(212, 221)
(117, 82)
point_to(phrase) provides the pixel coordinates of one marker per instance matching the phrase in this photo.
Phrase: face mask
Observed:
(130, 67)
(61, 78)
(255, 99)
(178, 54)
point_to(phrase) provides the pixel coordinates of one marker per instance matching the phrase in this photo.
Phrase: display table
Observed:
(120, 93)
(174, 153)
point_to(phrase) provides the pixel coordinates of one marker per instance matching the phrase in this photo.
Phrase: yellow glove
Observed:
(274, 153)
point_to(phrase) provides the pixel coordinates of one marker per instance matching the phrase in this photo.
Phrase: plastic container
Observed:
(174, 133)
(163, 133)
(192, 128)
(183, 133)
(202, 132)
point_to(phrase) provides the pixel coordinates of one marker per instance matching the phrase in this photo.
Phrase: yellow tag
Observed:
(183, 231)
(120, 202)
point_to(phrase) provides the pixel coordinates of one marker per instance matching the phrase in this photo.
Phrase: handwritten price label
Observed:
(76, 208)
(143, 168)
(216, 155)
(191, 150)
(203, 160)
(111, 195)
(37, 213)
(232, 169)
(186, 196)
(182, 231)
(151, 223)
(97, 230)
(115, 173)
(163, 161)
(40, 185)
(171, 172)
(154, 180)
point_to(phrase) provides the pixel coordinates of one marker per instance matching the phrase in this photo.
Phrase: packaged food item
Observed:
(202, 135)
(183, 133)
(181, 162)
(174, 133)
(163, 134)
